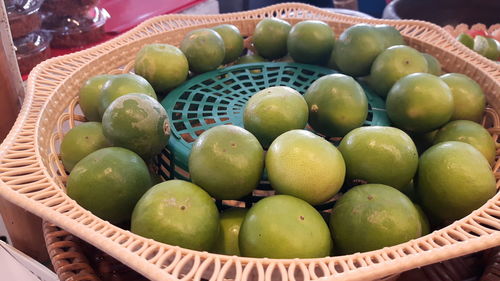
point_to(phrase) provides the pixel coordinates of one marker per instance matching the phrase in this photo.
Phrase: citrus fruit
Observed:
(389, 35)
(486, 47)
(123, 84)
(89, 96)
(109, 182)
(453, 179)
(424, 221)
(80, 141)
(468, 97)
(337, 104)
(409, 191)
(204, 50)
(284, 227)
(466, 39)
(471, 133)
(310, 41)
(304, 165)
(227, 161)
(419, 102)
(233, 41)
(253, 58)
(230, 223)
(372, 216)
(424, 140)
(163, 65)
(433, 65)
(178, 213)
(273, 111)
(331, 61)
(368, 151)
(137, 122)
(357, 48)
(393, 64)
(270, 37)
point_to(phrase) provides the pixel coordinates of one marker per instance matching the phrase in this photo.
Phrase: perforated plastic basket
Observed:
(219, 97)
(32, 176)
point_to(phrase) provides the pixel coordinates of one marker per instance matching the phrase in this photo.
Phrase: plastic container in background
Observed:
(78, 30)
(24, 16)
(68, 7)
(32, 49)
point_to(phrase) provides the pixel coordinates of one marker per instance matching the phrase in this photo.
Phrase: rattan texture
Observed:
(32, 176)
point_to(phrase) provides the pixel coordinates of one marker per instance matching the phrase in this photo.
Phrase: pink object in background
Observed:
(126, 14)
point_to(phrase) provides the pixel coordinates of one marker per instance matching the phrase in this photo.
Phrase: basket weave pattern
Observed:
(32, 176)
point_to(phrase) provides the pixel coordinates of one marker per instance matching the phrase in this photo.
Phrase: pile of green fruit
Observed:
(431, 168)
(482, 43)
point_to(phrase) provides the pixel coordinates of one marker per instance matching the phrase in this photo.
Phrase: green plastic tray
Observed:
(219, 97)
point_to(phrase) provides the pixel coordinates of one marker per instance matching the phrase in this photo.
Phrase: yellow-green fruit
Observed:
(357, 48)
(434, 67)
(468, 97)
(471, 133)
(270, 37)
(230, 223)
(372, 216)
(122, 84)
(393, 64)
(80, 142)
(337, 104)
(109, 182)
(311, 41)
(453, 179)
(419, 103)
(163, 65)
(178, 213)
(233, 41)
(284, 227)
(90, 94)
(273, 111)
(204, 50)
(226, 161)
(369, 151)
(304, 165)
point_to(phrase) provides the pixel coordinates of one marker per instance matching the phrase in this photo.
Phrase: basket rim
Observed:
(36, 102)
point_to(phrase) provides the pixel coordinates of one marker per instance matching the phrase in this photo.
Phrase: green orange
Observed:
(372, 216)
(80, 141)
(453, 179)
(178, 213)
(419, 103)
(393, 64)
(468, 97)
(282, 227)
(273, 111)
(109, 182)
(270, 38)
(123, 84)
(137, 122)
(357, 48)
(337, 104)
(233, 41)
(369, 151)
(310, 41)
(226, 161)
(204, 49)
(304, 165)
(230, 223)
(471, 133)
(89, 96)
(163, 65)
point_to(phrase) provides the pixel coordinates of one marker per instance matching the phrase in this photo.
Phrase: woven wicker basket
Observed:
(32, 176)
